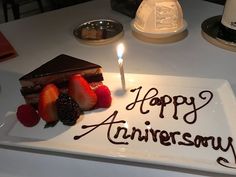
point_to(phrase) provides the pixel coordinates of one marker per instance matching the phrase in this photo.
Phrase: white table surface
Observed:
(40, 38)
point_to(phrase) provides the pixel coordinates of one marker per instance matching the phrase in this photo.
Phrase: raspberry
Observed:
(67, 109)
(27, 115)
(104, 97)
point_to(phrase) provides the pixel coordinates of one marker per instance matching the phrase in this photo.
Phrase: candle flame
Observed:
(120, 50)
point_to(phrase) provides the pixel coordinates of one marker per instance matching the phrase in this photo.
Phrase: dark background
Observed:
(217, 1)
(64, 3)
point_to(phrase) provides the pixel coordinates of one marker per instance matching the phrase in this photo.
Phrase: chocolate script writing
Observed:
(151, 99)
(119, 134)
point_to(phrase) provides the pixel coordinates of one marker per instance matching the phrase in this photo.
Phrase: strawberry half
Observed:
(47, 103)
(81, 92)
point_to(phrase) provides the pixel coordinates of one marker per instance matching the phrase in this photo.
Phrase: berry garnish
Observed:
(67, 109)
(81, 92)
(104, 98)
(27, 115)
(47, 104)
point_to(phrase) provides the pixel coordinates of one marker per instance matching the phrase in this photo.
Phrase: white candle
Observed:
(120, 51)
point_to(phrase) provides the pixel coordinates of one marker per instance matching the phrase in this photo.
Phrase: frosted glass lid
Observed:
(155, 16)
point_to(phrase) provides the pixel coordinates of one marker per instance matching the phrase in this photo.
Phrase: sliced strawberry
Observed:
(47, 103)
(81, 92)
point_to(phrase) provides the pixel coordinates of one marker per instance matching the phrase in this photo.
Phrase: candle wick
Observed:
(120, 60)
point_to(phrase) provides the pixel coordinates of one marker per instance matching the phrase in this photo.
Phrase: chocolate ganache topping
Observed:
(124, 135)
(60, 64)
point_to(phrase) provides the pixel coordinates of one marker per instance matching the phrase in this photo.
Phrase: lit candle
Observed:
(120, 51)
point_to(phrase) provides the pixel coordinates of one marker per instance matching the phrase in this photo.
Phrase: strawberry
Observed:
(81, 92)
(27, 115)
(47, 103)
(104, 97)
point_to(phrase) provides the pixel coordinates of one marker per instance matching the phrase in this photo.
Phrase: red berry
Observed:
(81, 92)
(104, 97)
(27, 115)
(47, 103)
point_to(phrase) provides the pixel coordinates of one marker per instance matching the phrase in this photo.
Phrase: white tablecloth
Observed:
(40, 38)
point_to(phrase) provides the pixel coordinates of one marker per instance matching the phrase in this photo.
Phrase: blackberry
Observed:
(67, 109)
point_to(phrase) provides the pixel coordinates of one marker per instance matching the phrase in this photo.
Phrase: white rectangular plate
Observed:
(175, 121)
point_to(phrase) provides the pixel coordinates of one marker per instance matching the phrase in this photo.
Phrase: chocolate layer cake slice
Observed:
(57, 71)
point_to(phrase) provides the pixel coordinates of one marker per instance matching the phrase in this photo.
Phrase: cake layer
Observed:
(35, 85)
(62, 66)
(33, 98)
(57, 71)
